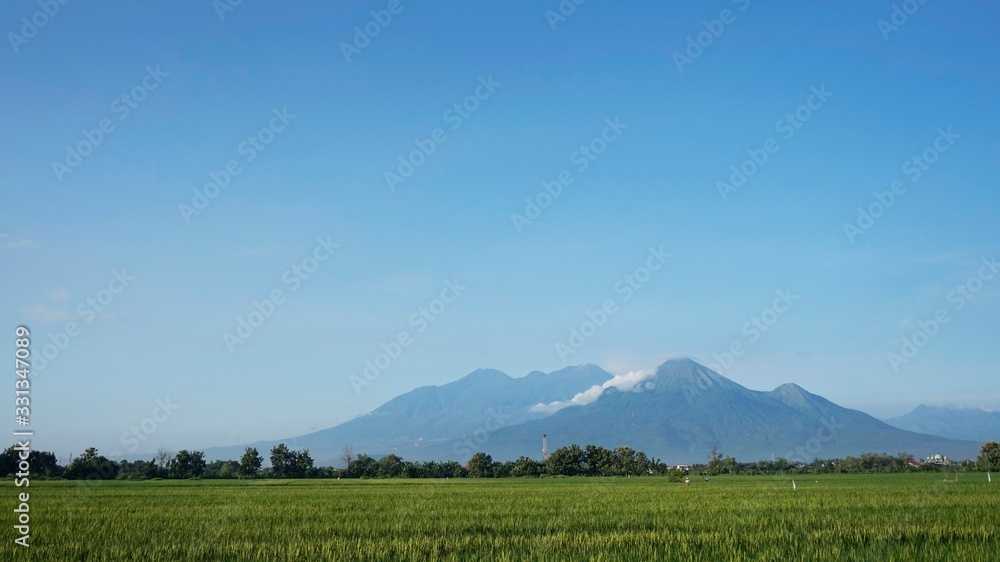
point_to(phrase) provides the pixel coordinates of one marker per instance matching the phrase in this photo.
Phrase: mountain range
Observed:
(678, 413)
(956, 423)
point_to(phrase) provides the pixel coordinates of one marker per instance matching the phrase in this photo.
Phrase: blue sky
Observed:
(204, 92)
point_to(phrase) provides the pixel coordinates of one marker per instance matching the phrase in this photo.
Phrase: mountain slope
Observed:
(684, 410)
(446, 418)
(679, 414)
(955, 423)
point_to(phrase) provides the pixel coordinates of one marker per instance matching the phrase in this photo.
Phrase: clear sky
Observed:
(163, 168)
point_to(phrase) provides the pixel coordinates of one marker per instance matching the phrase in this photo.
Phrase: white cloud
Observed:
(624, 383)
(7, 242)
(59, 294)
(45, 315)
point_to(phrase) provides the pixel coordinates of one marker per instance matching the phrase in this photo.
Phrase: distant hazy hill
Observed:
(678, 414)
(448, 418)
(685, 409)
(956, 423)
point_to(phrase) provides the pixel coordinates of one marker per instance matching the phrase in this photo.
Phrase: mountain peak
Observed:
(687, 373)
(791, 394)
(680, 412)
(591, 374)
(790, 389)
(488, 376)
(681, 361)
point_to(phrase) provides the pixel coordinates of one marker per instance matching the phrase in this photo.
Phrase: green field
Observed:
(834, 517)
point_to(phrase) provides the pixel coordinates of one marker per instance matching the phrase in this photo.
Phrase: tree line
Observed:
(572, 460)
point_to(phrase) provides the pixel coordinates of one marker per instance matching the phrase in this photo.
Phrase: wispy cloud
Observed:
(624, 383)
(45, 315)
(59, 294)
(7, 242)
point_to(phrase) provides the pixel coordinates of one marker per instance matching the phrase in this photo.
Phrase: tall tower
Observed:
(545, 447)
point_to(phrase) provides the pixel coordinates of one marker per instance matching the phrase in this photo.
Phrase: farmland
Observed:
(828, 517)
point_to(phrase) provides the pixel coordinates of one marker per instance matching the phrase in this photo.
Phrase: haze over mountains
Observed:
(956, 423)
(678, 413)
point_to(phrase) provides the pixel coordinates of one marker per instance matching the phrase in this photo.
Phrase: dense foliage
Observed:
(591, 460)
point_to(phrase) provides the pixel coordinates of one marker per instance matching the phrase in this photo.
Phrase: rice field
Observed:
(832, 517)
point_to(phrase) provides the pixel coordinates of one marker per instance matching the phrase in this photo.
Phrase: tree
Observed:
(303, 464)
(92, 466)
(390, 466)
(481, 465)
(726, 466)
(714, 460)
(525, 467)
(566, 461)
(229, 469)
(363, 467)
(503, 469)
(347, 455)
(187, 464)
(626, 461)
(781, 465)
(138, 470)
(286, 463)
(451, 469)
(8, 461)
(415, 470)
(600, 461)
(250, 464)
(43, 463)
(282, 461)
(163, 457)
(989, 456)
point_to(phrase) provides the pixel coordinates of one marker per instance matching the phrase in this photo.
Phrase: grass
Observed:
(835, 517)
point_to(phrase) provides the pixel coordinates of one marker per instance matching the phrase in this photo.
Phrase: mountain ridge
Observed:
(437, 414)
(679, 413)
(954, 423)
